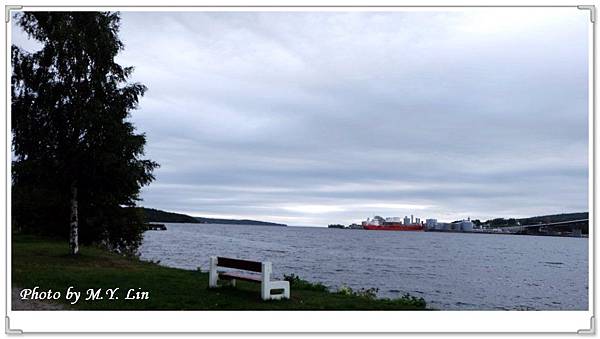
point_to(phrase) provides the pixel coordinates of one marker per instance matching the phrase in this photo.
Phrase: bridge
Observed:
(570, 227)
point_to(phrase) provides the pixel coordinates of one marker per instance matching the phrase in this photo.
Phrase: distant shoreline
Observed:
(154, 215)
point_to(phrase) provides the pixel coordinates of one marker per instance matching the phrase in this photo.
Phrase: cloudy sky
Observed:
(310, 118)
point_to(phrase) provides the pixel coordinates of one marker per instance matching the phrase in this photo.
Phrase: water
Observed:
(450, 270)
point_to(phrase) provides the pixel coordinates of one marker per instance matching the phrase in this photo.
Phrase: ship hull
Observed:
(414, 228)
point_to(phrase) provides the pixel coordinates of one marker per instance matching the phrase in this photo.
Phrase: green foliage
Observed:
(70, 107)
(501, 222)
(408, 299)
(369, 293)
(298, 283)
(364, 293)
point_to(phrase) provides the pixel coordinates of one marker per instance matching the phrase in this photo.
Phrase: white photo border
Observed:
(303, 321)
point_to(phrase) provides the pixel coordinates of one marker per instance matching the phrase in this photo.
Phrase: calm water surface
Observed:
(450, 270)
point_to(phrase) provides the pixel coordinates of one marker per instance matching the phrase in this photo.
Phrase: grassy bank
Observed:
(45, 263)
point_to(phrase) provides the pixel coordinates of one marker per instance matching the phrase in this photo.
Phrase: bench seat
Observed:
(240, 276)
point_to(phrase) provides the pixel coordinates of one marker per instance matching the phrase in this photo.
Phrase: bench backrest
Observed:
(247, 265)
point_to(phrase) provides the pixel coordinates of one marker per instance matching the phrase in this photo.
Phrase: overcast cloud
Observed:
(311, 118)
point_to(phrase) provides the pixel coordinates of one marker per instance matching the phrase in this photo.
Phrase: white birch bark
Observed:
(74, 231)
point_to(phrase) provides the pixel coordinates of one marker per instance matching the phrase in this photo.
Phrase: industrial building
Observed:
(415, 224)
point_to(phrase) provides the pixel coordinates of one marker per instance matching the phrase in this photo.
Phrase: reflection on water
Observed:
(451, 271)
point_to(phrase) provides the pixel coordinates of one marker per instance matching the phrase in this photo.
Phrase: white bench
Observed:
(264, 278)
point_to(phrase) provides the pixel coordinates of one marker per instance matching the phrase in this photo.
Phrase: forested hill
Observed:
(545, 219)
(236, 222)
(154, 215)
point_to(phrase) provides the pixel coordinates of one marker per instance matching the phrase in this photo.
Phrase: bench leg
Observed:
(265, 288)
(286, 290)
(268, 286)
(213, 276)
(265, 293)
(279, 285)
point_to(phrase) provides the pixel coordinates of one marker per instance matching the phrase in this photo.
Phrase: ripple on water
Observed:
(451, 271)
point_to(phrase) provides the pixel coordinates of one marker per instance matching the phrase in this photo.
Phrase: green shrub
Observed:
(297, 282)
(408, 299)
(366, 293)
(369, 293)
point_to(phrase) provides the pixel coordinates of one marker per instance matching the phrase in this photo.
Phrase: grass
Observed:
(45, 263)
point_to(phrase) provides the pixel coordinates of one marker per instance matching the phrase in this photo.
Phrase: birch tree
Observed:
(77, 164)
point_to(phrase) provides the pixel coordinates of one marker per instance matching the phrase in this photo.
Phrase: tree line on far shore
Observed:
(543, 219)
(154, 215)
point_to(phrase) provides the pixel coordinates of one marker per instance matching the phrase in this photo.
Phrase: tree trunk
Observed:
(74, 232)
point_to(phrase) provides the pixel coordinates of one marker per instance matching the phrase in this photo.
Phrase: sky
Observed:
(312, 118)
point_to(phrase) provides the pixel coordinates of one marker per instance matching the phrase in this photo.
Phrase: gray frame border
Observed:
(591, 8)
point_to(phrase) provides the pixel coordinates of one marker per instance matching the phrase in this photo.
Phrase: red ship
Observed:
(394, 227)
(392, 224)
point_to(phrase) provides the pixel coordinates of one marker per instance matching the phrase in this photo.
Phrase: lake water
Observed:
(452, 271)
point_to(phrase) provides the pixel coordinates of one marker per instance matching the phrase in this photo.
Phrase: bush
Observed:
(411, 300)
(297, 282)
(369, 293)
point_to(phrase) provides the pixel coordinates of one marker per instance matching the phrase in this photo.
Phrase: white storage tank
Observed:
(466, 225)
(442, 226)
(430, 223)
